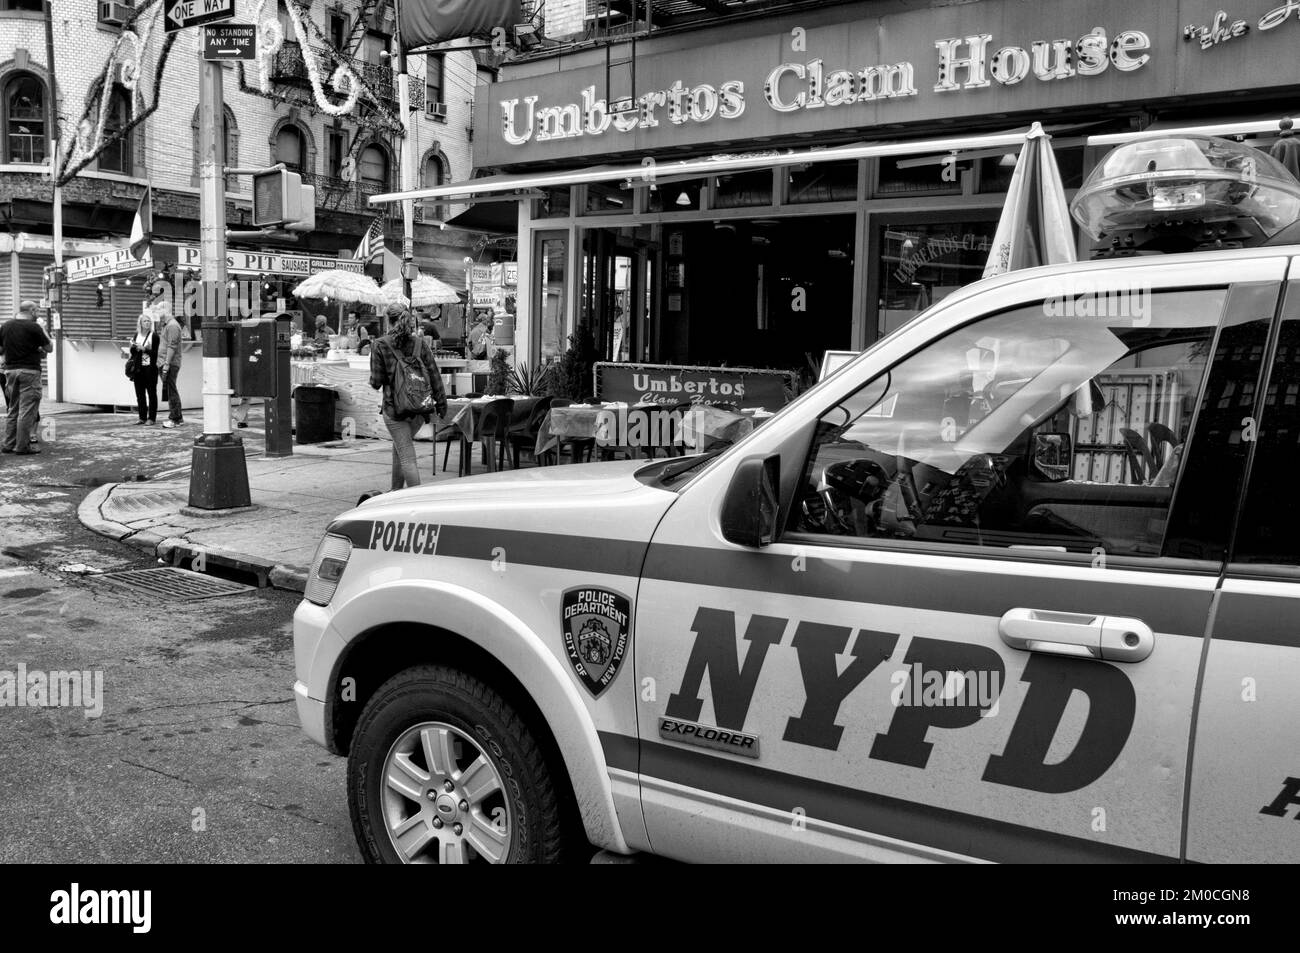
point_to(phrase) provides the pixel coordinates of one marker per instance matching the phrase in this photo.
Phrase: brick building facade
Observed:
(345, 158)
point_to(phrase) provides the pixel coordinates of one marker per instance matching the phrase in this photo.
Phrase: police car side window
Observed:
(1269, 529)
(1026, 428)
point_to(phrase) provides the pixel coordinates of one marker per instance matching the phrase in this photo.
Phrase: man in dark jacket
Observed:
(24, 343)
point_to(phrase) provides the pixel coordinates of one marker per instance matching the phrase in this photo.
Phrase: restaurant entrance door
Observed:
(618, 282)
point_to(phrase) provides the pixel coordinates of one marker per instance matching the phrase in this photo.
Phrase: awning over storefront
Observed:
(495, 217)
(650, 171)
(709, 165)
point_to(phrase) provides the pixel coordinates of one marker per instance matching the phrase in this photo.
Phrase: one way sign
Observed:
(179, 14)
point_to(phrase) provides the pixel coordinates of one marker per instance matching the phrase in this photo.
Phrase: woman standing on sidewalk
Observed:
(144, 354)
(401, 342)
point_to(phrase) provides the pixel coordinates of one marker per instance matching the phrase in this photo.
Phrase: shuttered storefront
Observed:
(8, 303)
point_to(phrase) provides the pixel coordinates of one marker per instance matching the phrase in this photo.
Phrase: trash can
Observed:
(313, 409)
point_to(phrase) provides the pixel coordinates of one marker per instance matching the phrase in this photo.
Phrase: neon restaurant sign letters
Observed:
(964, 64)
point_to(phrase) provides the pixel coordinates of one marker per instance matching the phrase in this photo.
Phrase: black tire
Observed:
(434, 693)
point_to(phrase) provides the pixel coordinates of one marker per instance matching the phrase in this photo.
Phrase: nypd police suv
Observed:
(1020, 583)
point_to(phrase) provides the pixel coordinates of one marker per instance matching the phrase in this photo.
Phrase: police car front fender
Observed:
(504, 636)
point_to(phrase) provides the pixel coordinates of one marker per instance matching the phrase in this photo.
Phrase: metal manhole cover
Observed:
(167, 582)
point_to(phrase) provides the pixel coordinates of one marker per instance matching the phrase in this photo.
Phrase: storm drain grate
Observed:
(167, 582)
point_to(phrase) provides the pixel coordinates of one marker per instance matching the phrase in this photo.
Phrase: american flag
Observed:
(371, 248)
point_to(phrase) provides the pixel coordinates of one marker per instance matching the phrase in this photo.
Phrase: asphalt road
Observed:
(197, 755)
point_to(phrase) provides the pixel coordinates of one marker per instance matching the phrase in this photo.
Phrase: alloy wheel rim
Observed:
(443, 799)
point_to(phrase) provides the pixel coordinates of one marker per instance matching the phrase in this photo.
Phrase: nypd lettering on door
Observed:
(733, 660)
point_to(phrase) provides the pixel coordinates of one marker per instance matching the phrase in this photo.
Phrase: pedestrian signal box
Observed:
(280, 199)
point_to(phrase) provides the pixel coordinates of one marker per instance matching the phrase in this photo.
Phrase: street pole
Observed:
(218, 473)
(407, 167)
(52, 131)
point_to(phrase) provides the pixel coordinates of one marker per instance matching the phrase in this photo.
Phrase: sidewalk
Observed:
(294, 499)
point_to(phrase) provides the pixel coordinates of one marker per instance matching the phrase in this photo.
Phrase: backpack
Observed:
(412, 392)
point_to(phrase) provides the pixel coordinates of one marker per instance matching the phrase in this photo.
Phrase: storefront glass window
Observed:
(925, 178)
(555, 203)
(603, 199)
(824, 182)
(676, 196)
(744, 189)
(608, 199)
(995, 171)
(920, 265)
(552, 296)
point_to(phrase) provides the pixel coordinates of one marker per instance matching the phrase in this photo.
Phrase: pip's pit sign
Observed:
(595, 623)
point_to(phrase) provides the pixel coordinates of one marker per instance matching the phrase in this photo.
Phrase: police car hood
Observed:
(596, 498)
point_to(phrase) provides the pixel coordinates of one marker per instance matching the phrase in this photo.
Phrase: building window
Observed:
(286, 24)
(435, 170)
(23, 124)
(375, 46)
(118, 154)
(372, 169)
(434, 73)
(338, 148)
(339, 30)
(36, 6)
(435, 173)
(290, 148)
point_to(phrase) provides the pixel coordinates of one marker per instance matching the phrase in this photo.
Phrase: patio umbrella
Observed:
(346, 287)
(1035, 228)
(426, 290)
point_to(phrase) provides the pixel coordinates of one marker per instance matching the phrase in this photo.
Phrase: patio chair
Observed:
(490, 426)
(525, 436)
(448, 434)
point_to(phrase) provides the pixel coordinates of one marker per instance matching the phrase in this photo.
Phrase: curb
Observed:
(176, 550)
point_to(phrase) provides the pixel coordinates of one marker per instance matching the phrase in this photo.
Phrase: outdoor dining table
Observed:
(702, 427)
(464, 414)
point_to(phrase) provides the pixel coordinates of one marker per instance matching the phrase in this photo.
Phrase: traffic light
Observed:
(281, 200)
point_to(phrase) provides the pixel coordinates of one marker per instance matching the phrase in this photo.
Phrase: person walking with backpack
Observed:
(142, 369)
(402, 365)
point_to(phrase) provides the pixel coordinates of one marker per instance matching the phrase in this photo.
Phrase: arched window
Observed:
(119, 150)
(23, 122)
(435, 170)
(372, 169)
(290, 148)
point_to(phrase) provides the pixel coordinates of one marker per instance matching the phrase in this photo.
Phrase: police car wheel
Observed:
(443, 770)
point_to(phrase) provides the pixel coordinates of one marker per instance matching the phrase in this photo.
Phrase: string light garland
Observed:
(125, 66)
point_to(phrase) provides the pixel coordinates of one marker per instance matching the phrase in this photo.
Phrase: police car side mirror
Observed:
(752, 504)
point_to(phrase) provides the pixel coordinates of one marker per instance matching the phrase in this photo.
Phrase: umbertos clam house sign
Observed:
(963, 64)
(794, 75)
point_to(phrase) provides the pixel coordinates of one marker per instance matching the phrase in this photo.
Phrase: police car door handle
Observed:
(1109, 638)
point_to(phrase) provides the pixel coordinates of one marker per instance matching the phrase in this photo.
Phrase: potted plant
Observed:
(525, 381)
(498, 373)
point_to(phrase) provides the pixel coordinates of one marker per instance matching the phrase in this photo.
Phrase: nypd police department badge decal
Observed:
(595, 626)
